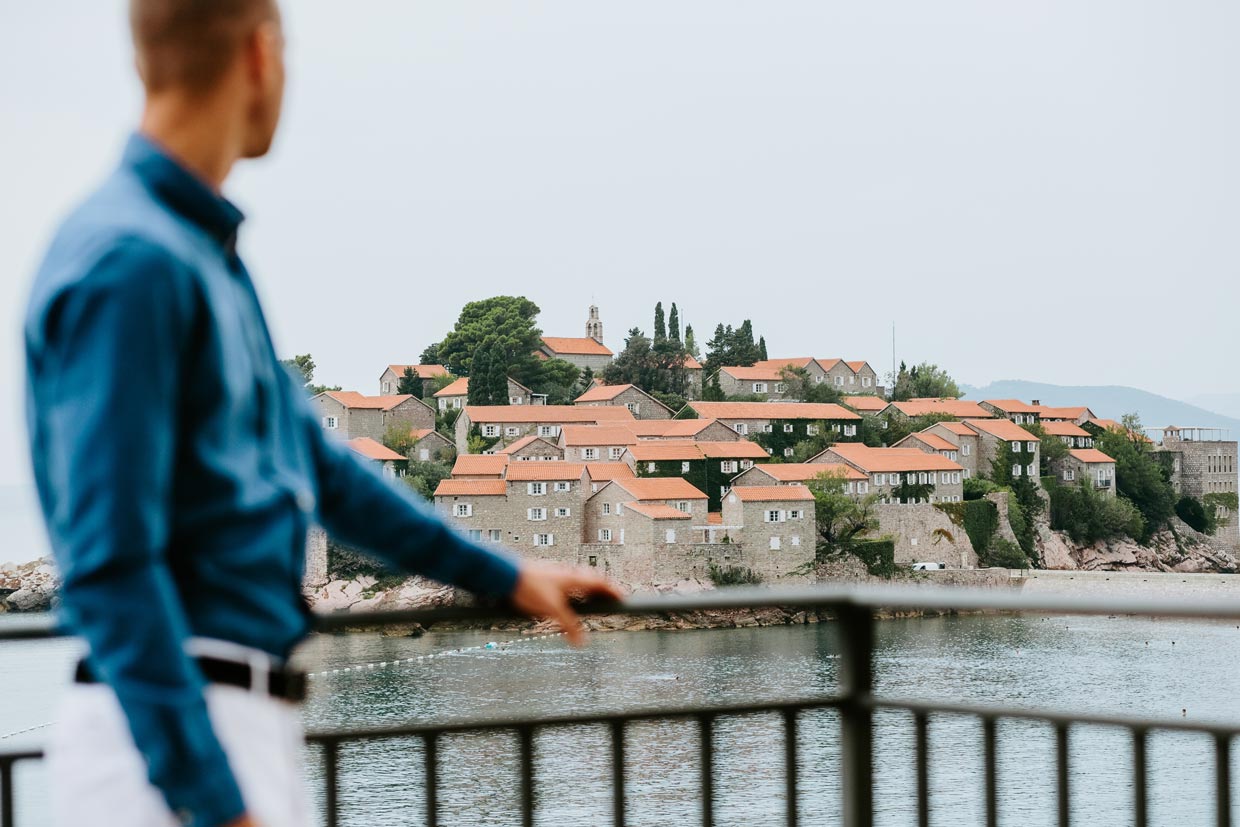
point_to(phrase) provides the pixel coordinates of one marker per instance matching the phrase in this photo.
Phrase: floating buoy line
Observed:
(383, 664)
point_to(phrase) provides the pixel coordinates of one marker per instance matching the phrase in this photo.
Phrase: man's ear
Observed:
(262, 52)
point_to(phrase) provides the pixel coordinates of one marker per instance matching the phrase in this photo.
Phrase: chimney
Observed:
(1037, 403)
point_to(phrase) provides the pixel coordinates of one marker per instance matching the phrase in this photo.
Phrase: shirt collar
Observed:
(183, 191)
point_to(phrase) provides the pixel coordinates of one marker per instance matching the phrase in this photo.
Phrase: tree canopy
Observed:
(302, 367)
(1139, 475)
(505, 326)
(924, 381)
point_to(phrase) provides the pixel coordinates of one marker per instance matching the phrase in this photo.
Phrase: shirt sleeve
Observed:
(358, 506)
(108, 387)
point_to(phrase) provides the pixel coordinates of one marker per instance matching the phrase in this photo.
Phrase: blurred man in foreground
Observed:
(179, 466)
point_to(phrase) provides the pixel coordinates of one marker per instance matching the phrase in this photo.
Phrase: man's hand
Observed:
(544, 589)
(244, 821)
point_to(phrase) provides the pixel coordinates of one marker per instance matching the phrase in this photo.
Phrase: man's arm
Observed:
(106, 388)
(360, 507)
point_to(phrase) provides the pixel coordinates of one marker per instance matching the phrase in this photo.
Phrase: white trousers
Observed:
(98, 777)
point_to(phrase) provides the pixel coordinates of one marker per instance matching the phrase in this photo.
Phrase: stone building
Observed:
(595, 443)
(781, 423)
(431, 446)
(533, 448)
(480, 467)
(901, 475)
(1075, 415)
(456, 395)
(756, 380)
(605, 521)
(389, 380)
(1068, 432)
(1019, 412)
(966, 441)
(584, 353)
(866, 404)
(641, 404)
(698, 430)
(778, 528)
(804, 473)
(993, 434)
(1203, 462)
(707, 466)
(391, 463)
(508, 423)
(693, 377)
(1088, 464)
(931, 443)
(957, 408)
(349, 414)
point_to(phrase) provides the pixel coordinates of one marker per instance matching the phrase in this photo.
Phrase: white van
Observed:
(929, 566)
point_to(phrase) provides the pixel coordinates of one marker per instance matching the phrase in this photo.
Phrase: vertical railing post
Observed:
(6, 794)
(856, 715)
(331, 778)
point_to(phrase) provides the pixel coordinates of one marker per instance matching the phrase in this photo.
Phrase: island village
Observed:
(696, 469)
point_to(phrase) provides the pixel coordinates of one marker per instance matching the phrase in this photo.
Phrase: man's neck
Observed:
(199, 139)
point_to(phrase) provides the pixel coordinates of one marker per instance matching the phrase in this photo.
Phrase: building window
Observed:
(463, 510)
(589, 453)
(475, 535)
(727, 467)
(787, 427)
(796, 541)
(1030, 447)
(330, 422)
(768, 428)
(684, 467)
(865, 381)
(746, 464)
(619, 508)
(1016, 447)
(759, 387)
(536, 489)
(544, 539)
(880, 479)
(683, 506)
(563, 512)
(781, 388)
(1031, 470)
(634, 407)
(563, 486)
(516, 400)
(1015, 470)
(512, 430)
(496, 535)
(850, 430)
(774, 544)
(604, 535)
(741, 428)
(615, 453)
(787, 452)
(839, 381)
(593, 560)
(1069, 474)
(794, 515)
(956, 478)
(670, 537)
(964, 450)
(774, 517)
(811, 430)
(606, 508)
(651, 467)
(547, 430)
(537, 514)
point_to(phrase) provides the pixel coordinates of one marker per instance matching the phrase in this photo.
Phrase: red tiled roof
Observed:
(714, 518)
(544, 471)
(771, 493)
(521, 443)
(657, 450)
(772, 410)
(756, 373)
(857, 366)
(603, 393)
(866, 404)
(660, 488)
(1014, 406)
(471, 488)
(739, 449)
(353, 399)
(957, 428)
(668, 428)
(421, 371)
(1004, 429)
(932, 440)
(1047, 412)
(692, 364)
(827, 364)
(656, 511)
(958, 408)
(1090, 455)
(806, 471)
(607, 471)
(780, 364)
(371, 449)
(1053, 428)
(575, 347)
(883, 460)
(458, 388)
(597, 435)
(548, 414)
(480, 465)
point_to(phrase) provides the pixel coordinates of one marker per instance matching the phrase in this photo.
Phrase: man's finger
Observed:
(569, 623)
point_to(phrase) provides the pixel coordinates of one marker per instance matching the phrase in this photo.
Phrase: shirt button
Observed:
(305, 501)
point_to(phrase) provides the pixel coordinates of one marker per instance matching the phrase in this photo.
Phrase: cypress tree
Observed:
(673, 323)
(660, 325)
(479, 390)
(762, 357)
(690, 342)
(497, 375)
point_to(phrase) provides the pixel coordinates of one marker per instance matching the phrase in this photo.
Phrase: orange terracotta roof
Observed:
(714, 518)
(755, 373)
(660, 488)
(1090, 455)
(421, 371)
(884, 460)
(575, 347)
(603, 393)
(806, 471)
(1014, 406)
(827, 364)
(353, 399)
(418, 434)
(471, 488)
(1054, 428)
(692, 364)
(957, 428)
(458, 388)
(659, 450)
(772, 410)
(857, 366)
(522, 443)
(545, 414)
(668, 428)
(958, 408)
(597, 435)
(480, 465)
(544, 471)
(932, 440)
(371, 449)
(656, 511)
(1047, 412)
(780, 364)
(866, 404)
(607, 471)
(771, 493)
(739, 449)
(1107, 424)
(1004, 429)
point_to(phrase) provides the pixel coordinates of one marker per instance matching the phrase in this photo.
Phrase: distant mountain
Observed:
(1109, 402)
(1224, 403)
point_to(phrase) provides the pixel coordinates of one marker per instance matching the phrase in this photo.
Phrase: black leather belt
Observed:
(285, 684)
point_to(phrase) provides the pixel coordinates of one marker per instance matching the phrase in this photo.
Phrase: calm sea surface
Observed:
(1122, 665)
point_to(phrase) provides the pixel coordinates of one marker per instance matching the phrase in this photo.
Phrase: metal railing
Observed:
(854, 608)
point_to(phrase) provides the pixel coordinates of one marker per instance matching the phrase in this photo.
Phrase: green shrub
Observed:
(1022, 525)
(1088, 515)
(345, 563)
(975, 488)
(979, 519)
(1196, 514)
(879, 556)
(1005, 554)
(733, 576)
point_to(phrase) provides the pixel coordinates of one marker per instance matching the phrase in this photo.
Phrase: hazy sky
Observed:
(1042, 190)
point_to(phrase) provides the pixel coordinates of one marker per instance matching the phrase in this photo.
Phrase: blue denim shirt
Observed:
(179, 465)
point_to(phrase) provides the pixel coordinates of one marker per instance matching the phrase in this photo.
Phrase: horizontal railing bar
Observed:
(1052, 717)
(827, 598)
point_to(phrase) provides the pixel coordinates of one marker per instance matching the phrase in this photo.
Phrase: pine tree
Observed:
(410, 384)
(479, 390)
(673, 323)
(497, 375)
(762, 357)
(660, 325)
(690, 342)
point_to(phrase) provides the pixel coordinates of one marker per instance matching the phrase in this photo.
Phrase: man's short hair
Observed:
(189, 44)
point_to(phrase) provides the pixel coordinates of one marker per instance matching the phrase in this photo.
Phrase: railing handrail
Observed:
(823, 597)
